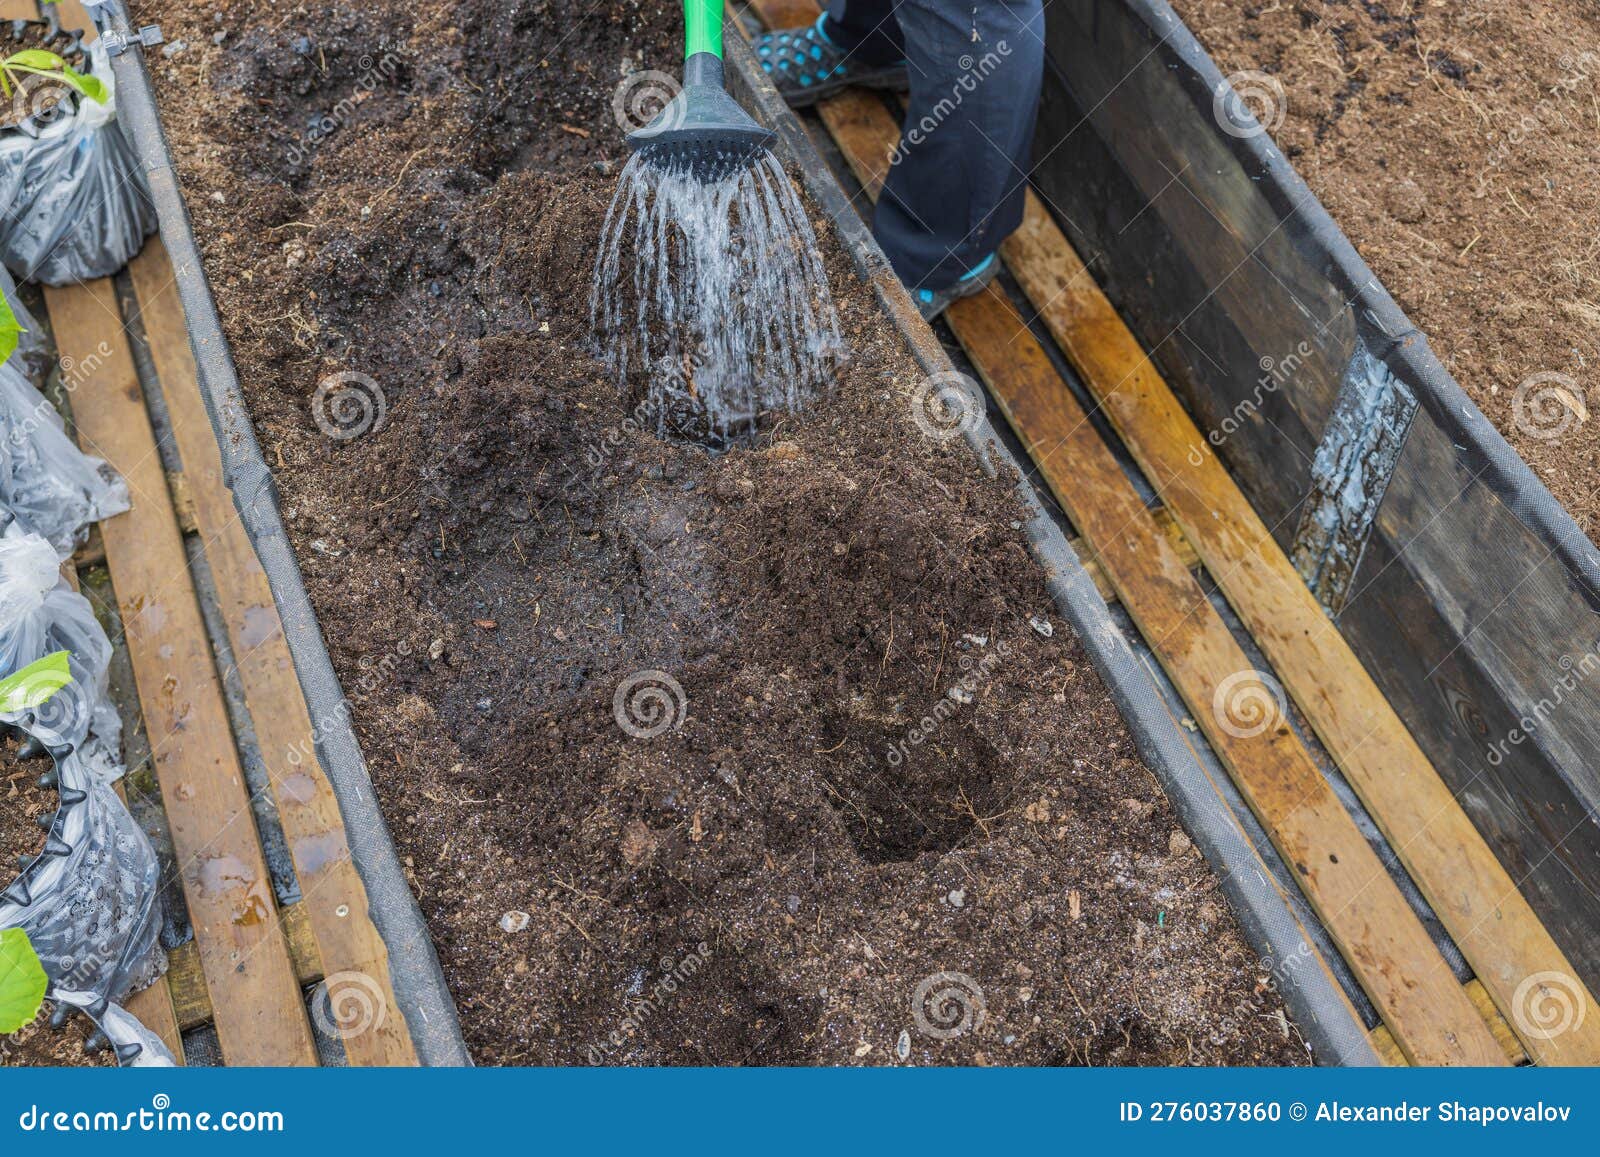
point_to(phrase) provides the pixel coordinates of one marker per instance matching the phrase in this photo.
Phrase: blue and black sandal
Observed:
(932, 302)
(805, 65)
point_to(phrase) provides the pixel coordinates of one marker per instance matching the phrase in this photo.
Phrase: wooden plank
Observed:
(1085, 553)
(335, 901)
(1386, 945)
(1384, 1045)
(1471, 892)
(261, 1019)
(191, 999)
(19, 10)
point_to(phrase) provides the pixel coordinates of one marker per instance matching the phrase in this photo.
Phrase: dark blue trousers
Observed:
(955, 187)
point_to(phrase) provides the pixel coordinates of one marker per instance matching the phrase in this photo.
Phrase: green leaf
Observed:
(35, 683)
(22, 981)
(11, 330)
(91, 86)
(35, 58)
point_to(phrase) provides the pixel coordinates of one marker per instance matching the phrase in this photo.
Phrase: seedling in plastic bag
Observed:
(22, 981)
(40, 62)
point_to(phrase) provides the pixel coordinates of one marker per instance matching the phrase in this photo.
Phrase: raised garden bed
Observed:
(500, 554)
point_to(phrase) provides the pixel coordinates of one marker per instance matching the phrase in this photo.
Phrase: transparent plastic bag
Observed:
(76, 202)
(136, 1046)
(90, 902)
(50, 485)
(40, 614)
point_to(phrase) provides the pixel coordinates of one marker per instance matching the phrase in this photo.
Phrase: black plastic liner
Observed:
(1299, 971)
(1464, 587)
(418, 982)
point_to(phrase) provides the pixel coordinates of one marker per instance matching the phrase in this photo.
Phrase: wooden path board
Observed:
(1473, 895)
(334, 900)
(1388, 949)
(260, 1014)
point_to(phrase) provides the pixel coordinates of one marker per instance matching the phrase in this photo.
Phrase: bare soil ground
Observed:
(414, 193)
(1454, 141)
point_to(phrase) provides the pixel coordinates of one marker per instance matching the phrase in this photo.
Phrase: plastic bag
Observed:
(90, 902)
(50, 485)
(39, 614)
(76, 202)
(136, 1046)
(32, 356)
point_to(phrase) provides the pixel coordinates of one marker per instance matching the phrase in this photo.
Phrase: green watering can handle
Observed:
(702, 27)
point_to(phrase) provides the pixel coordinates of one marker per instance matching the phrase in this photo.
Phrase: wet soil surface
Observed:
(751, 758)
(1454, 143)
(39, 1046)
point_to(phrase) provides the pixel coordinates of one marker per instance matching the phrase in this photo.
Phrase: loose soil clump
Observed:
(692, 758)
(1454, 144)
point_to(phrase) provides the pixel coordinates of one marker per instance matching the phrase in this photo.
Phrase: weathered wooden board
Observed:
(1222, 263)
(334, 900)
(261, 1018)
(1473, 895)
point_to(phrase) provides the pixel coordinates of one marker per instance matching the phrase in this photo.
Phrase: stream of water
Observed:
(714, 294)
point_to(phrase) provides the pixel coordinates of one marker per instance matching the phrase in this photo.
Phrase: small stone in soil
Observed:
(513, 921)
(958, 898)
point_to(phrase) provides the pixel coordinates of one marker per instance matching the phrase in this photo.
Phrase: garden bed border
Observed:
(418, 981)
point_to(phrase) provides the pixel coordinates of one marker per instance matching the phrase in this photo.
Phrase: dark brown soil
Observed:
(1455, 144)
(40, 1046)
(22, 802)
(761, 883)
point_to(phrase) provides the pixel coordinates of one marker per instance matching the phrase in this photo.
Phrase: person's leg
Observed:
(865, 29)
(855, 42)
(956, 185)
